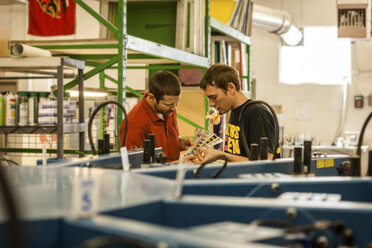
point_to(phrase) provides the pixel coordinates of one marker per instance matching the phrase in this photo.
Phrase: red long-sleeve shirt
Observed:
(143, 121)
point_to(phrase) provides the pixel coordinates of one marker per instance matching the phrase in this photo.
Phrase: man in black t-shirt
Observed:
(221, 85)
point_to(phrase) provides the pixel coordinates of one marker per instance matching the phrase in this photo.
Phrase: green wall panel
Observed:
(151, 21)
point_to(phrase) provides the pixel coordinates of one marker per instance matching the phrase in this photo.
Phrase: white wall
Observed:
(323, 101)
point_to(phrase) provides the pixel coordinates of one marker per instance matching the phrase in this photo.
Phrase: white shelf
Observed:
(41, 65)
(135, 45)
(229, 31)
(162, 51)
(21, 63)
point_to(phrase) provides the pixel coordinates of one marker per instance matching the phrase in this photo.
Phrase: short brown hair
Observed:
(164, 83)
(220, 75)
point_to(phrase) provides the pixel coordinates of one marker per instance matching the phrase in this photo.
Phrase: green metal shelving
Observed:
(102, 54)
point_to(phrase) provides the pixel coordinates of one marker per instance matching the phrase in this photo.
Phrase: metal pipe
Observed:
(297, 162)
(341, 124)
(278, 22)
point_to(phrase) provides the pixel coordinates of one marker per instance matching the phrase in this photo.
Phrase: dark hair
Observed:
(164, 83)
(220, 75)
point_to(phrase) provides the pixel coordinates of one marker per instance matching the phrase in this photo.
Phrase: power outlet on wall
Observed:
(370, 100)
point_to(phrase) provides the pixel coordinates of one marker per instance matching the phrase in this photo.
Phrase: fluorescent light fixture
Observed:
(88, 92)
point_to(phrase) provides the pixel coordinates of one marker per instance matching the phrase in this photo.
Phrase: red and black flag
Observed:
(51, 17)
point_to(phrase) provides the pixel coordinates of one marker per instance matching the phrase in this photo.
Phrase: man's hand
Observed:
(189, 158)
(206, 154)
(202, 155)
(186, 143)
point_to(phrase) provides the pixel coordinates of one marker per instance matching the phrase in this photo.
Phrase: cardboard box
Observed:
(4, 42)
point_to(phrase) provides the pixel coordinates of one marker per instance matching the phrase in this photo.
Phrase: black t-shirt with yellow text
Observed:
(258, 122)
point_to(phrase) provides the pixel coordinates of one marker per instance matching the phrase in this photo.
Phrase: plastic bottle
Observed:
(43, 96)
(16, 110)
(47, 114)
(32, 109)
(23, 108)
(301, 139)
(43, 99)
(9, 109)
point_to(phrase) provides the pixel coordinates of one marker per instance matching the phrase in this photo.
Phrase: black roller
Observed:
(355, 166)
(151, 137)
(297, 163)
(101, 146)
(254, 151)
(264, 144)
(147, 151)
(106, 138)
(307, 156)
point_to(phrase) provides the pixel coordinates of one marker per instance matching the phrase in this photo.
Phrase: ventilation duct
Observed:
(278, 22)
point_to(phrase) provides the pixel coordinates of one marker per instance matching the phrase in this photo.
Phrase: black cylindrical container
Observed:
(307, 156)
(297, 163)
(254, 151)
(151, 137)
(355, 166)
(264, 144)
(101, 146)
(147, 151)
(106, 138)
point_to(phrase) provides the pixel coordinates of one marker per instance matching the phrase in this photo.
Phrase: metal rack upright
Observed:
(54, 67)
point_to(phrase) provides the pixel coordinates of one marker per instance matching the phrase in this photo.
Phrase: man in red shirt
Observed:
(156, 114)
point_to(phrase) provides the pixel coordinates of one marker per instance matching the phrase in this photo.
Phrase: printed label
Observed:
(85, 194)
(320, 163)
(329, 162)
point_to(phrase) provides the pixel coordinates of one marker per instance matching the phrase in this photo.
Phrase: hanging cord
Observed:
(91, 118)
(360, 141)
(15, 230)
(223, 156)
(276, 127)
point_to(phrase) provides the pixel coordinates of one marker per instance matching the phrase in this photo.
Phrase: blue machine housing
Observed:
(108, 161)
(140, 204)
(320, 167)
(348, 188)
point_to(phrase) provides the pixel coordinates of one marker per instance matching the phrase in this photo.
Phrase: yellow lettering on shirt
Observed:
(237, 130)
(230, 130)
(229, 145)
(236, 148)
(232, 133)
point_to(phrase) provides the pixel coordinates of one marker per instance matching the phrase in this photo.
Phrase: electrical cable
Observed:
(2, 158)
(91, 118)
(15, 230)
(360, 141)
(109, 241)
(222, 156)
(276, 127)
